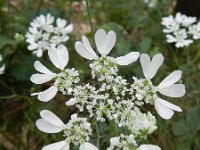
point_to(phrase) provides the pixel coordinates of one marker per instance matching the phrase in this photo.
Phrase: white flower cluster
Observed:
(112, 98)
(43, 34)
(2, 68)
(181, 29)
(76, 131)
(122, 142)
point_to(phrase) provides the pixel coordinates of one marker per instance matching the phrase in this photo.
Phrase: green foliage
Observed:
(138, 28)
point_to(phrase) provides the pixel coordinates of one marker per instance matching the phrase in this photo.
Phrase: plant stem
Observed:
(98, 134)
(89, 15)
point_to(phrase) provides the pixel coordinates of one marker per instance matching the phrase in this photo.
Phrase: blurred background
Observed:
(138, 27)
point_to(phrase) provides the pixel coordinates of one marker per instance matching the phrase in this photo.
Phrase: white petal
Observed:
(145, 63)
(149, 147)
(40, 78)
(48, 94)
(61, 23)
(175, 90)
(87, 146)
(169, 105)
(69, 28)
(51, 118)
(155, 64)
(41, 68)
(109, 42)
(32, 46)
(100, 37)
(59, 56)
(163, 111)
(71, 102)
(128, 58)
(45, 126)
(87, 45)
(170, 79)
(81, 50)
(62, 145)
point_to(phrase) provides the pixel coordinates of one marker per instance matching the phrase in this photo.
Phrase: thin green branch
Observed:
(89, 15)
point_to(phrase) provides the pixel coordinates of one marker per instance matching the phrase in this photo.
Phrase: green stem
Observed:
(98, 134)
(89, 15)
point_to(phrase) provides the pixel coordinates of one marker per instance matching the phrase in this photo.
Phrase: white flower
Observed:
(167, 87)
(59, 57)
(104, 42)
(50, 123)
(2, 68)
(170, 24)
(188, 21)
(179, 29)
(179, 38)
(151, 3)
(148, 147)
(43, 35)
(194, 30)
(122, 142)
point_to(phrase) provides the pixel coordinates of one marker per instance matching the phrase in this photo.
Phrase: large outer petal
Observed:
(40, 78)
(145, 63)
(41, 68)
(169, 105)
(105, 42)
(100, 37)
(47, 127)
(59, 56)
(155, 64)
(87, 45)
(149, 147)
(109, 42)
(62, 145)
(163, 111)
(150, 67)
(170, 79)
(87, 146)
(48, 94)
(51, 118)
(175, 90)
(85, 50)
(128, 58)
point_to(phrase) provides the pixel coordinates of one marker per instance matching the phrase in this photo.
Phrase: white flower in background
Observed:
(63, 81)
(167, 87)
(194, 30)
(104, 42)
(179, 29)
(179, 38)
(170, 24)
(151, 3)
(2, 68)
(76, 131)
(43, 35)
(148, 147)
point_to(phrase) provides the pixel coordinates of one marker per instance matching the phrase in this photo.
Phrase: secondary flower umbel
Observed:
(43, 34)
(167, 87)
(63, 81)
(181, 29)
(76, 131)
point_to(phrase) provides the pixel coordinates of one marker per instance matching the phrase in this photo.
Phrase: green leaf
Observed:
(179, 128)
(145, 44)
(193, 119)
